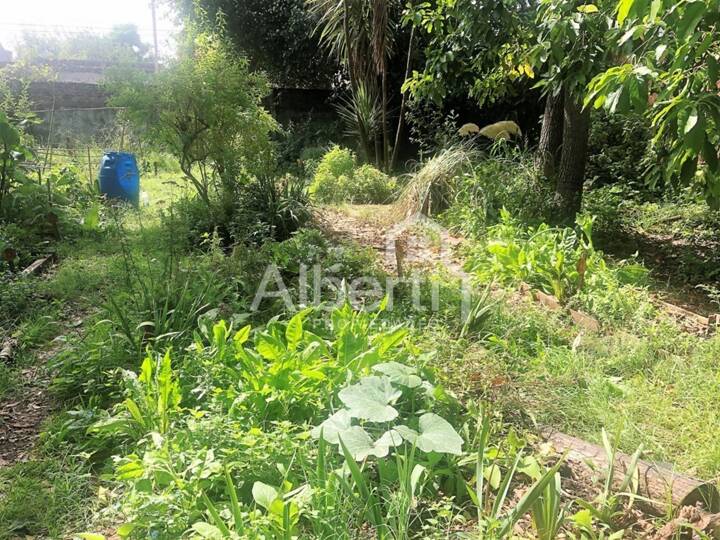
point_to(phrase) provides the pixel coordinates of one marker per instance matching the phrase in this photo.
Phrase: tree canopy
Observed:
(122, 43)
(277, 35)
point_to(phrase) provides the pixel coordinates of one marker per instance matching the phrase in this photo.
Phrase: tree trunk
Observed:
(385, 130)
(657, 485)
(571, 172)
(551, 134)
(348, 47)
(401, 118)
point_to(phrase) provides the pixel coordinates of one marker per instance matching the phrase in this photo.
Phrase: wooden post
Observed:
(48, 150)
(400, 256)
(122, 136)
(90, 169)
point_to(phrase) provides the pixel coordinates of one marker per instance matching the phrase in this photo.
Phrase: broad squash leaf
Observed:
(371, 399)
(436, 435)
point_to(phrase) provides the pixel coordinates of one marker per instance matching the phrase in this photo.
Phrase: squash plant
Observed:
(383, 411)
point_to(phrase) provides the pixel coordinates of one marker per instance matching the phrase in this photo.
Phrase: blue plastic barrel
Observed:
(119, 177)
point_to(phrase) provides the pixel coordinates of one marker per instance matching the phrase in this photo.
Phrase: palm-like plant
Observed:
(361, 34)
(362, 115)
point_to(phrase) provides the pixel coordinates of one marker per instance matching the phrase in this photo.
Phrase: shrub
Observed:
(310, 159)
(370, 185)
(496, 182)
(338, 179)
(267, 208)
(619, 151)
(206, 110)
(558, 261)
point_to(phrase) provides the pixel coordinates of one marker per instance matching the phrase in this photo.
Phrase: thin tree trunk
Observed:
(348, 46)
(401, 119)
(551, 134)
(571, 173)
(378, 151)
(385, 130)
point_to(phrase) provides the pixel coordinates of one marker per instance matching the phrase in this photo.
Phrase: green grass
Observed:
(658, 386)
(43, 499)
(641, 377)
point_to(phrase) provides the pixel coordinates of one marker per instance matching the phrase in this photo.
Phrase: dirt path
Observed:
(22, 415)
(415, 242)
(24, 411)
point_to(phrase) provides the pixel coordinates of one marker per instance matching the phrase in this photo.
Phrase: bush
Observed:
(562, 262)
(619, 151)
(267, 209)
(498, 182)
(338, 179)
(297, 137)
(206, 110)
(310, 159)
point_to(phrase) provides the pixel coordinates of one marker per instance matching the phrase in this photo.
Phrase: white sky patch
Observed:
(67, 17)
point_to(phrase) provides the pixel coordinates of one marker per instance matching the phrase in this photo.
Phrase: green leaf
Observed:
(712, 70)
(436, 435)
(588, 8)
(333, 426)
(692, 16)
(493, 475)
(624, 7)
(91, 219)
(242, 336)
(205, 530)
(370, 399)
(655, 7)
(399, 374)
(294, 331)
(691, 121)
(688, 169)
(391, 340)
(710, 155)
(9, 136)
(359, 444)
(135, 412)
(91, 536)
(264, 495)
(583, 518)
(125, 530)
(695, 140)
(269, 347)
(129, 471)
(660, 51)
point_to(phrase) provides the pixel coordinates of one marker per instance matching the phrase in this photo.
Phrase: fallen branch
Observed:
(657, 483)
(38, 266)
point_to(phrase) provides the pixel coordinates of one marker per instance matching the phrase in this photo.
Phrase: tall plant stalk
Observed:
(380, 45)
(403, 102)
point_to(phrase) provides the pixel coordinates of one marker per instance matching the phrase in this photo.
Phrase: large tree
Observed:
(492, 51)
(670, 71)
(571, 49)
(362, 35)
(277, 35)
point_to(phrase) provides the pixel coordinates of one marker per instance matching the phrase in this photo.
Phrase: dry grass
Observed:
(431, 188)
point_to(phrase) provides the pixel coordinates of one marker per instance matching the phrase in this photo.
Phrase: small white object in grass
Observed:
(144, 198)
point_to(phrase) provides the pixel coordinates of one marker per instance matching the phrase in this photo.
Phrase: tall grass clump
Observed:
(432, 188)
